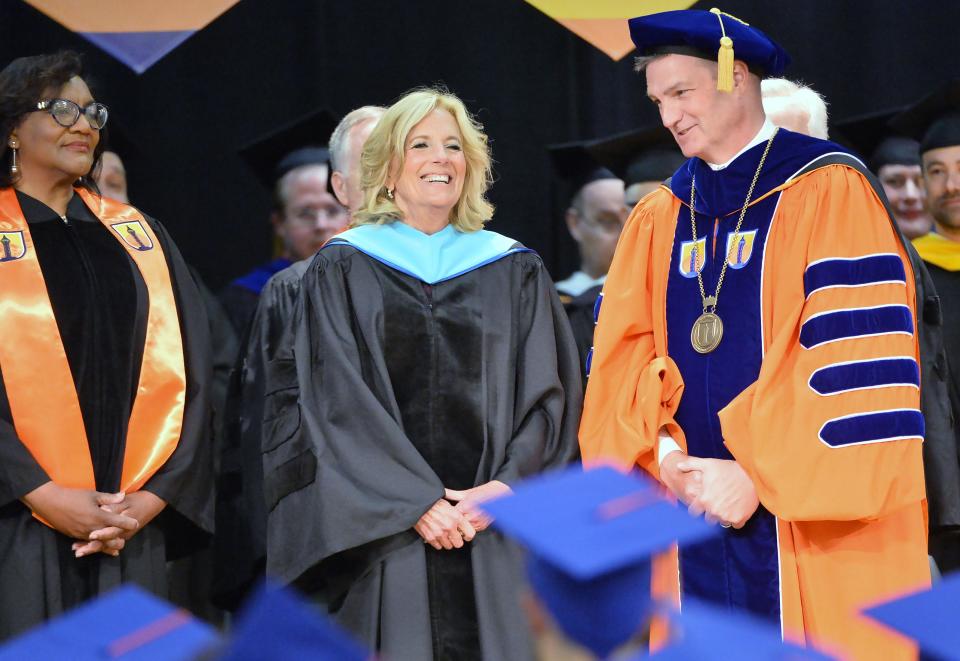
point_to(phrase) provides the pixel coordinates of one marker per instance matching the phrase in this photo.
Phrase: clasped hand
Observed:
(456, 518)
(100, 522)
(717, 488)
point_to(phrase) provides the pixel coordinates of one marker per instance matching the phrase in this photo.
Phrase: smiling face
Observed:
(705, 123)
(941, 174)
(52, 152)
(431, 179)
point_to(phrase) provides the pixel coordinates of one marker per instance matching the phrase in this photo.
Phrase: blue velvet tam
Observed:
(590, 535)
(278, 624)
(698, 33)
(126, 623)
(929, 617)
(702, 631)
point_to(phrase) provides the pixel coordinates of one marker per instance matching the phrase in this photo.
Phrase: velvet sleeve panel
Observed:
(634, 387)
(549, 393)
(831, 430)
(185, 481)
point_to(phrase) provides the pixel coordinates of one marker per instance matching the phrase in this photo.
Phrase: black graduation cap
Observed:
(935, 119)
(876, 141)
(300, 142)
(645, 154)
(117, 137)
(574, 164)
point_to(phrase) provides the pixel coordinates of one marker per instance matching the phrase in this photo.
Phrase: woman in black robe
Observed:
(434, 367)
(91, 538)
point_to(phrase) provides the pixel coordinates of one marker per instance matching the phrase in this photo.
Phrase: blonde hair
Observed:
(386, 148)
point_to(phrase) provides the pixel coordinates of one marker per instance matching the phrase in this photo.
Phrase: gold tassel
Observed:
(725, 65)
(724, 56)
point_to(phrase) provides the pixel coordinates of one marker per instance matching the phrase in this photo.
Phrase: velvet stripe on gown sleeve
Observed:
(831, 429)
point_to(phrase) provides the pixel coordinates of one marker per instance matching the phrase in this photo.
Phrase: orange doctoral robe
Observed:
(827, 430)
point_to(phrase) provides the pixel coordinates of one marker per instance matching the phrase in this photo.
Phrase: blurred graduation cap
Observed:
(576, 166)
(702, 631)
(712, 35)
(929, 617)
(935, 119)
(590, 535)
(873, 138)
(300, 142)
(127, 623)
(645, 154)
(278, 624)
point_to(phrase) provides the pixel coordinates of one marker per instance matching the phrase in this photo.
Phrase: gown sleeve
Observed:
(19, 471)
(339, 473)
(549, 390)
(185, 481)
(633, 387)
(831, 430)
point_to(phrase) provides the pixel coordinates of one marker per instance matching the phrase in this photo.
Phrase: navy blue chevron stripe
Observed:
(862, 374)
(874, 427)
(855, 322)
(857, 272)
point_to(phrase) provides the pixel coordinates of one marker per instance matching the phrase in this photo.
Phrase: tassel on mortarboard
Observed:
(724, 57)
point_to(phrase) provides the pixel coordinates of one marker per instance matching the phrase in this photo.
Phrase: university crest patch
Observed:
(12, 246)
(738, 255)
(693, 254)
(134, 235)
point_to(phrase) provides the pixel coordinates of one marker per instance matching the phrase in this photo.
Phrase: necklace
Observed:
(707, 330)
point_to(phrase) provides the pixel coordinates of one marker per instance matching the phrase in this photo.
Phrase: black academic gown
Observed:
(100, 302)
(240, 541)
(942, 460)
(405, 389)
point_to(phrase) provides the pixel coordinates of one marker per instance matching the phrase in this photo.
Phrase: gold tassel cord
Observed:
(725, 56)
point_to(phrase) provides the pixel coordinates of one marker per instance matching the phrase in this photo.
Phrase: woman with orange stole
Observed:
(104, 453)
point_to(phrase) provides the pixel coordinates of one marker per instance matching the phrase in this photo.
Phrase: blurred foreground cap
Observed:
(590, 535)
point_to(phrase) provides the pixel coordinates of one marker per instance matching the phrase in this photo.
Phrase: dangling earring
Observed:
(14, 166)
(389, 193)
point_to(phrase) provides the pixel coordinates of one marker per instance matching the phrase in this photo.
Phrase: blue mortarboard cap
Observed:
(127, 623)
(590, 535)
(703, 632)
(699, 33)
(929, 617)
(278, 624)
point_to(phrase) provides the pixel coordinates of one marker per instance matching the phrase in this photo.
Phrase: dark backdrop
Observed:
(530, 81)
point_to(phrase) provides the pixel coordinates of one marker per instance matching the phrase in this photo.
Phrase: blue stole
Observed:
(431, 258)
(740, 569)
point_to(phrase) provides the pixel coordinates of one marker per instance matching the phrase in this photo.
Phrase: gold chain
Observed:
(710, 303)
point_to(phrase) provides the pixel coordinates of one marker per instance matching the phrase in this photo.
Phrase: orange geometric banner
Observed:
(603, 23)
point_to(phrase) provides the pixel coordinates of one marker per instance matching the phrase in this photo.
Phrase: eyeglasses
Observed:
(66, 113)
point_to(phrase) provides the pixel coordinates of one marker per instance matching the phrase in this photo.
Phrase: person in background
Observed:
(433, 368)
(305, 212)
(240, 541)
(594, 216)
(104, 417)
(795, 107)
(935, 122)
(757, 352)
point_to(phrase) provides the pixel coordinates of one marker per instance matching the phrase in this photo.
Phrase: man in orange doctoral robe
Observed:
(756, 351)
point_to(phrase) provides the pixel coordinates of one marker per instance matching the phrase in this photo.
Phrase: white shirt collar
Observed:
(762, 136)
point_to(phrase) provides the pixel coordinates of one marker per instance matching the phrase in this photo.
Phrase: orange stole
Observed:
(39, 384)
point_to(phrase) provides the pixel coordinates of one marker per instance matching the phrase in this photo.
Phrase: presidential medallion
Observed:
(706, 333)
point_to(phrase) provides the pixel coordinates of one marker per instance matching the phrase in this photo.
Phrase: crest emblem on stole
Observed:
(134, 235)
(11, 246)
(693, 255)
(742, 251)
